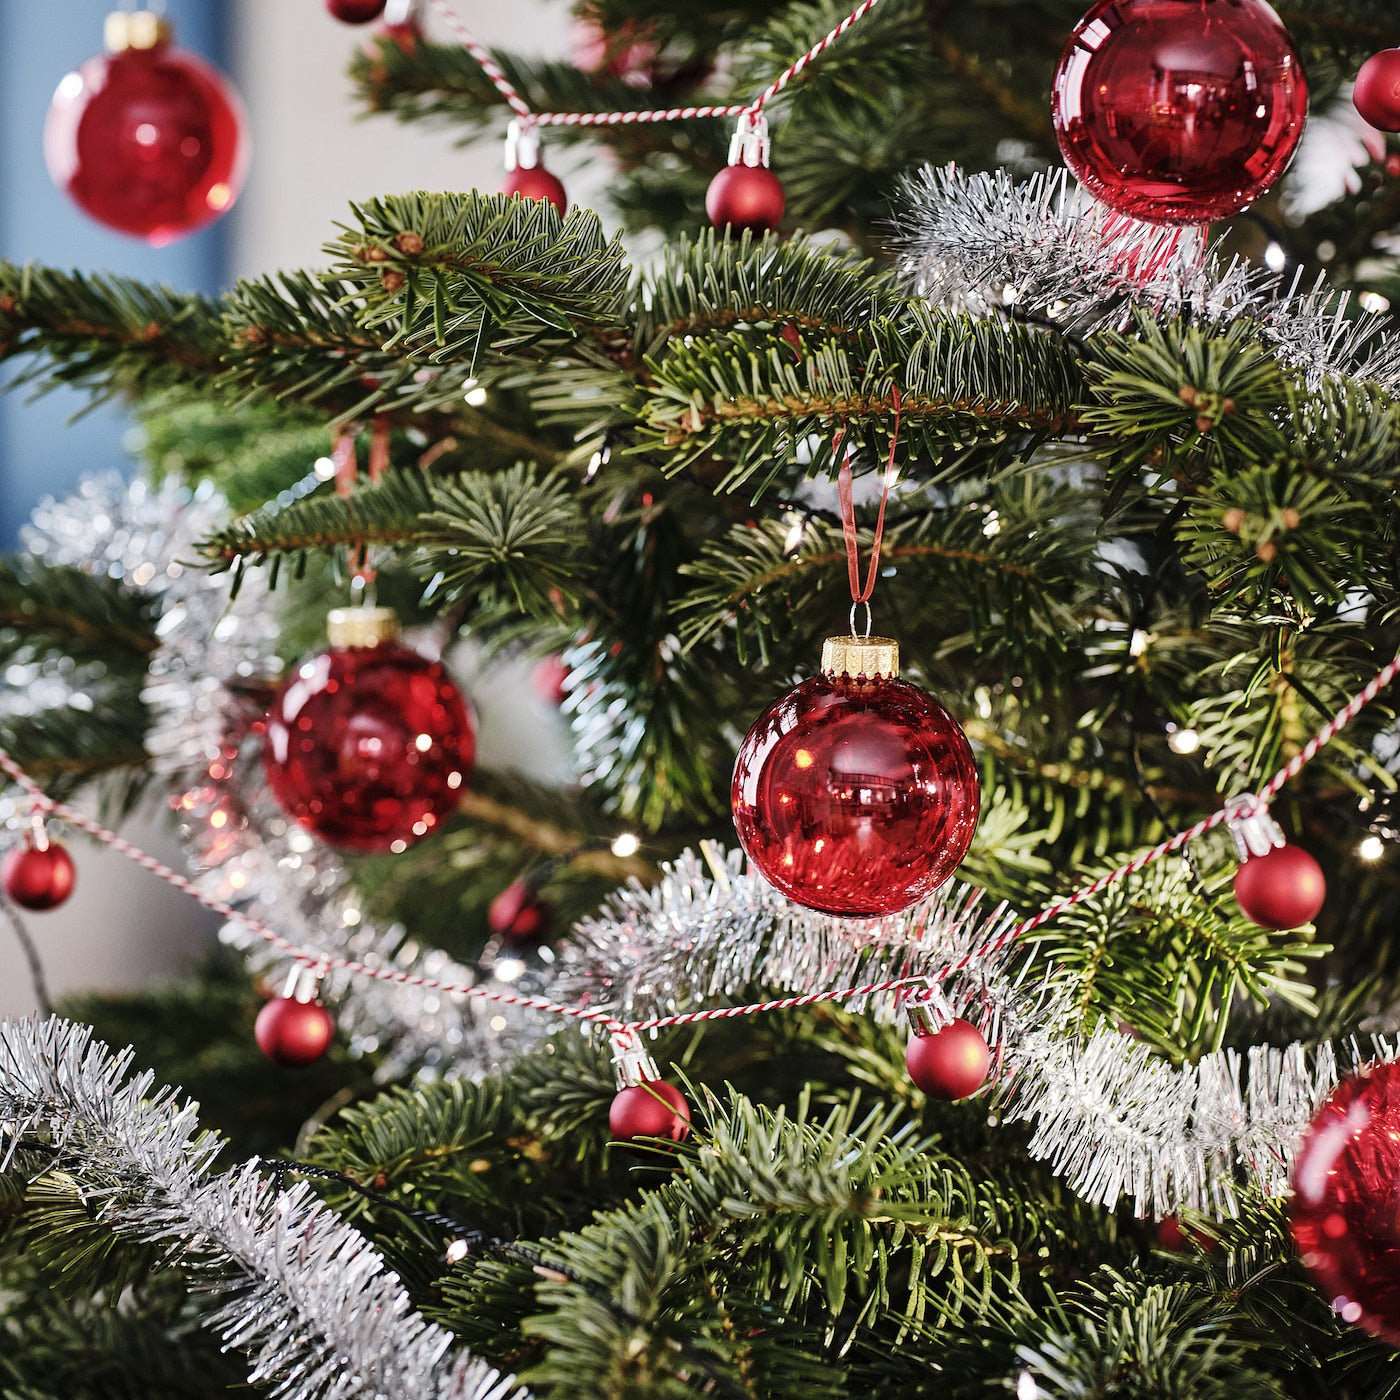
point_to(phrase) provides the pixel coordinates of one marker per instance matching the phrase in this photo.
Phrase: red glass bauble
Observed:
(292, 1033)
(151, 142)
(519, 913)
(1281, 889)
(535, 182)
(855, 797)
(951, 1063)
(1179, 111)
(549, 680)
(368, 747)
(38, 879)
(654, 1109)
(1377, 91)
(355, 11)
(1172, 1235)
(745, 196)
(1346, 1200)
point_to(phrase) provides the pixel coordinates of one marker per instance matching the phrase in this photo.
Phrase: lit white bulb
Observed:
(1184, 741)
(626, 845)
(1371, 848)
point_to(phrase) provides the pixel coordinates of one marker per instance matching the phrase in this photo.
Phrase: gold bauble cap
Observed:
(135, 29)
(361, 627)
(860, 656)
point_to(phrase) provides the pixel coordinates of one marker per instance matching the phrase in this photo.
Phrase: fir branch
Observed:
(82, 613)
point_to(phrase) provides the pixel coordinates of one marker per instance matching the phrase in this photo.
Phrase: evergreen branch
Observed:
(82, 613)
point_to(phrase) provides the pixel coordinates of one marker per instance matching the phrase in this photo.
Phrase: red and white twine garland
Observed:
(624, 1033)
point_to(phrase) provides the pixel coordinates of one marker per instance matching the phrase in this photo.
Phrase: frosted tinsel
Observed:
(983, 242)
(302, 1292)
(1110, 1116)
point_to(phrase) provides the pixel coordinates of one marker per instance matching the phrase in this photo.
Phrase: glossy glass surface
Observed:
(36, 879)
(1376, 94)
(745, 196)
(855, 797)
(1179, 111)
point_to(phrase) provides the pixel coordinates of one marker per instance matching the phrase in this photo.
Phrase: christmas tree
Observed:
(507, 1087)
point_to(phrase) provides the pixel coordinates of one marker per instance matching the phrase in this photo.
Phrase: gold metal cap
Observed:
(135, 29)
(860, 656)
(361, 627)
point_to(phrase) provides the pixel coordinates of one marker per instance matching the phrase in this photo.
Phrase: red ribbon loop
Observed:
(861, 594)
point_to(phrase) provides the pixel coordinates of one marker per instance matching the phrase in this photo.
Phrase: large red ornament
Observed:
(745, 196)
(293, 1033)
(1376, 94)
(652, 1109)
(950, 1063)
(38, 877)
(355, 11)
(1346, 1200)
(856, 794)
(148, 139)
(1283, 888)
(518, 913)
(368, 745)
(1179, 111)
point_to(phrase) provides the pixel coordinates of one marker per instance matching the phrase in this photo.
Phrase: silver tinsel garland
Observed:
(303, 1292)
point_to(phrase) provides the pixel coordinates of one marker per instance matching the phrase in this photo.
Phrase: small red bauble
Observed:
(535, 182)
(148, 139)
(38, 878)
(1283, 888)
(653, 1109)
(1179, 111)
(293, 1033)
(355, 11)
(368, 746)
(1377, 92)
(1171, 1235)
(519, 913)
(745, 196)
(853, 795)
(548, 679)
(1345, 1211)
(951, 1063)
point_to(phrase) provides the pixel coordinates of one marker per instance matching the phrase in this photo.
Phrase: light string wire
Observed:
(625, 1033)
(521, 108)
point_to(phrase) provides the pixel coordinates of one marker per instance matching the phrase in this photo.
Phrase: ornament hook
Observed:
(1255, 832)
(750, 144)
(861, 603)
(522, 144)
(631, 1063)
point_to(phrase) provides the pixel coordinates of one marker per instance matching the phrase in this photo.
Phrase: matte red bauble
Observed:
(549, 680)
(147, 139)
(745, 196)
(519, 913)
(355, 11)
(951, 1063)
(654, 1109)
(38, 878)
(1346, 1201)
(1281, 889)
(368, 745)
(1377, 92)
(535, 182)
(1179, 111)
(855, 794)
(293, 1033)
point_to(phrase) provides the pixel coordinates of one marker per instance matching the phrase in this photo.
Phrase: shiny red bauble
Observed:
(38, 878)
(368, 747)
(293, 1033)
(1179, 111)
(856, 797)
(745, 196)
(518, 913)
(148, 141)
(654, 1109)
(535, 182)
(549, 680)
(1283, 888)
(950, 1063)
(1376, 94)
(355, 11)
(1345, 1211)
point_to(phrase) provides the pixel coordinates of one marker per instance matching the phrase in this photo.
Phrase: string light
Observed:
(1372, 848)
(626, 845)
(1183, 740)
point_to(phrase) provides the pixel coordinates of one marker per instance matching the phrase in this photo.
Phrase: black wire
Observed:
(31, 954)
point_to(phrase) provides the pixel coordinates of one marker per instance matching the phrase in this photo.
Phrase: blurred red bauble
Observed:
(1183, 1240)
(653, 1109)
(1345, 1211)
(1179, 111)
(1377, 92)
(1283, 888)
(745, 196)
(535, 182)
(293, 1033)
(518, 913)
(950, 1063)
(36, 877)
(147, 139)
(548, 679)
(368, 745)
(355, 11)
(855, 795)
